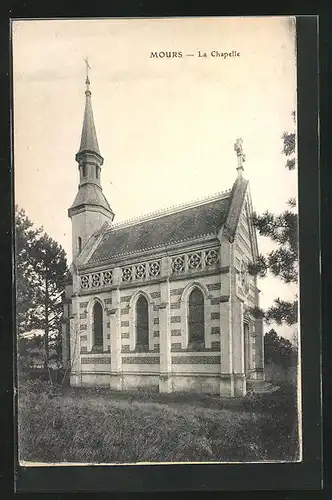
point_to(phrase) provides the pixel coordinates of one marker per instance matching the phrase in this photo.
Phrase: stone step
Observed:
(261, 386)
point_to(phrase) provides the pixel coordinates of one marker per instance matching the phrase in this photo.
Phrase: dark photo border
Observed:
(306, 475)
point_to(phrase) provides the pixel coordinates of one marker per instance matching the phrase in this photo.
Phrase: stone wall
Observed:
(169, 362)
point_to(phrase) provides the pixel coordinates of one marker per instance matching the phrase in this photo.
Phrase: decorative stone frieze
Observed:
(194, 261)
(195, 360)
(141, 272)
(175, 319)
(140, 360)
(215, 329)
(96, 280)
(176, 332)
(145, 271)
(96, 361)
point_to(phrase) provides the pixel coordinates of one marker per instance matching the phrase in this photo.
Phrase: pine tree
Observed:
(282, 229)
(51, 271)
(25, 238)
(41, 274)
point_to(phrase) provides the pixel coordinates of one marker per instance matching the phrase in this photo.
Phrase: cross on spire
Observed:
(87, 66)
(240, 155)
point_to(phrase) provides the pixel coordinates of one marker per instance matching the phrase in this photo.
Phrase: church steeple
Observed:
(88, 156)
(89, 140)
(90, 208)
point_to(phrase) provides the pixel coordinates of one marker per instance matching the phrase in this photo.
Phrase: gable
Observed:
(245, 237)
(237, 196)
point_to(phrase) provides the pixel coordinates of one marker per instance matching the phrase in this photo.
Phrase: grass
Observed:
(103, 426)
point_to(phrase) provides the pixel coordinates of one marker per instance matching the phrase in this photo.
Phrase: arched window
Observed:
(79, 244)
(97, 325)
(196, 319)
(97, 172)
(84, 170)
(142, 324)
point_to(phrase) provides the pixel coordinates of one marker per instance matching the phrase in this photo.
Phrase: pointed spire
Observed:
(90, 199)
(89, 140)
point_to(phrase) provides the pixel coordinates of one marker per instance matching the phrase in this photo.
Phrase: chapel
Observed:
(165, 300)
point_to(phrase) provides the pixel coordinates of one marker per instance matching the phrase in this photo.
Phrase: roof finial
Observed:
(87, 81)
(240, 155)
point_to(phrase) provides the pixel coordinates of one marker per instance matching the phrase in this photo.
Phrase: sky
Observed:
(166, 126)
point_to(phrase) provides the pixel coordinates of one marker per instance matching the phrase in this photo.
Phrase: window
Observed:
(246, 347)
(97, 172)
(97, 328)
(84, 170)
(196, 319)
(142, 324)
(244, 278)
(79, 244)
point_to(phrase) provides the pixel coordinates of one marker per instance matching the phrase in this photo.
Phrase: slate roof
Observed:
(185, 224)
(90, 194)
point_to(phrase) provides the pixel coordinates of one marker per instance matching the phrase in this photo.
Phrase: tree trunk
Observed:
(46, 322)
